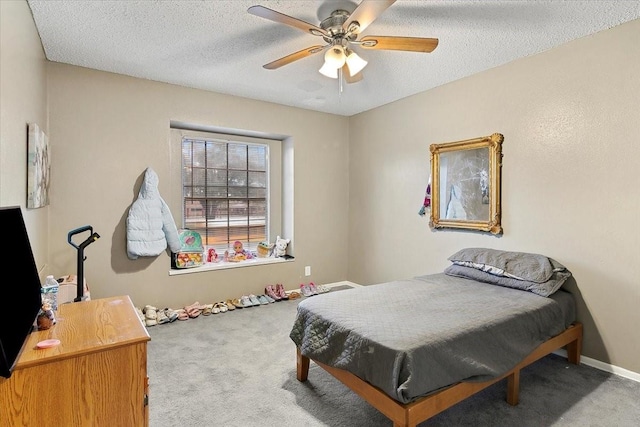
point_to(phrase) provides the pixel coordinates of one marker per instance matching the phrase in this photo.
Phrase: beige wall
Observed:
(106, 129)
(571, 188)
(23, 100)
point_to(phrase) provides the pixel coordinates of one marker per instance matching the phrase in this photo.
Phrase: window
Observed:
(225, 191)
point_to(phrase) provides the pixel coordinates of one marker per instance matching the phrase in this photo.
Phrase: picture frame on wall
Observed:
(467, 183)
(38, 167)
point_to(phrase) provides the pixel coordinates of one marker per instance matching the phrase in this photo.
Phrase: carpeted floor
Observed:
(238, 369)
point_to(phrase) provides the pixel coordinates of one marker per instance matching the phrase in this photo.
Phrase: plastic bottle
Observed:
(50, 292)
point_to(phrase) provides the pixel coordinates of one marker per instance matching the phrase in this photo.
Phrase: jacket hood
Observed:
(149, 187)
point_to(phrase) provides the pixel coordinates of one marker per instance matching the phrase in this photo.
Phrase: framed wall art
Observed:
(38, 167)
(466, 183)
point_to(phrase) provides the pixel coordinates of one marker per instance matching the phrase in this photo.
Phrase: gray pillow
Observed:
(543, 289)
(516, 265)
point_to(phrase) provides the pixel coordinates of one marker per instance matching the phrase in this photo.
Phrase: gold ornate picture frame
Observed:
(466, 182)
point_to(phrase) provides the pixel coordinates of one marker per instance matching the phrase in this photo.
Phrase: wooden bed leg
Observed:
(302, 366)
(574, 348)
(513, 388)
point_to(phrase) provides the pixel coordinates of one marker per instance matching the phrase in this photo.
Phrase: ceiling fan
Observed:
(340, 31)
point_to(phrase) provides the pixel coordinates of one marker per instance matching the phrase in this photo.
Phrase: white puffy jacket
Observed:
(150, 225)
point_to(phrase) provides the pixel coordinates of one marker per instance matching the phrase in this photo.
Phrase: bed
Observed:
(413, 348)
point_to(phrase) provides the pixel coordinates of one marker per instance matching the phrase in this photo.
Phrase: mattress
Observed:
(412, 337)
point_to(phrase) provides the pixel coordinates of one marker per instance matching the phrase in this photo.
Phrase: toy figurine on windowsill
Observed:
(46, 318)
(239, 253)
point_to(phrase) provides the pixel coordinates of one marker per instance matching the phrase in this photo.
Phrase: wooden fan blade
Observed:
(413, 44)
(294, 57)
(281, 18)
(348, 77)
(365, 13)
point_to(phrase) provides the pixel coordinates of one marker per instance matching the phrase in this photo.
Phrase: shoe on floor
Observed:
(254, 300)
(271, 292)
(281, 292)
(162, 317)
(312, 287)
(263, 300)
(140, 314)
(294, 295)
(150, 312)
(171, 314)
(246, 301)
(230, 305)
(304, 290)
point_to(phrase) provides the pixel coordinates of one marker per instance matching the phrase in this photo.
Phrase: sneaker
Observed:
(304, 290)
(312, 288)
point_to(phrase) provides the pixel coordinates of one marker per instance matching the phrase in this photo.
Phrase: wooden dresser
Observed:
(96, 376)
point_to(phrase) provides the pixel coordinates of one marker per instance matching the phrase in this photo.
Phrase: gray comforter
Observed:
(412, 337)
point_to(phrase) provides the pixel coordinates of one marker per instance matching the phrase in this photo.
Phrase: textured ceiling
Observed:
(218, 46)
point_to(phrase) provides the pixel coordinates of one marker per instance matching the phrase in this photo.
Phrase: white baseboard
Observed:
(343, 283)
(603, 366)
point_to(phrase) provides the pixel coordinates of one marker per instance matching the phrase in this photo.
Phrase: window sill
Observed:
(222, 265)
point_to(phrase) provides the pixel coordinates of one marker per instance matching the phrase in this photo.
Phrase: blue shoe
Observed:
(254, 300)
(271, 300)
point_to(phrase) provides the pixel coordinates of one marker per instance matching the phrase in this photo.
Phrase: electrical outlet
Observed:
(307, 270)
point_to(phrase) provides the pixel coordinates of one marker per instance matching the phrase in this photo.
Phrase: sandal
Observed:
(230, 305)
(162, 317)
(207, 309)
(322, 289)
(193, 310)
(182, 314)
(172, 315)
(216, 308)
(294, 295)
(150, 312)
(254, 300)
(246, 301)
(237, 303)
(223, 307)
(262, 300)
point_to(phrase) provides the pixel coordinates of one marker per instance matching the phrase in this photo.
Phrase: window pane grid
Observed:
(224, 187)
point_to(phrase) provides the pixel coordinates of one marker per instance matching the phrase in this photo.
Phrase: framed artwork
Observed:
(38, 168)
(466, 184)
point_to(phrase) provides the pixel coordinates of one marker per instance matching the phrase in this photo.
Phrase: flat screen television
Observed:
(22, 296)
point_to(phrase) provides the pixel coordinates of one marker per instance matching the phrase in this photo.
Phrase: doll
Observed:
(239, 253)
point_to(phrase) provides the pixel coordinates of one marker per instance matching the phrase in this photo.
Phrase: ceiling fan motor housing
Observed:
(333, 25)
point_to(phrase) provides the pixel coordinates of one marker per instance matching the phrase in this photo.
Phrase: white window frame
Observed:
(280, 183)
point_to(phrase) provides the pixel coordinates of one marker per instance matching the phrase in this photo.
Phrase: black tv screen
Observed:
(21, 310)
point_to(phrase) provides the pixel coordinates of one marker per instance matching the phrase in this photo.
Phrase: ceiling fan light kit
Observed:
(340, 30)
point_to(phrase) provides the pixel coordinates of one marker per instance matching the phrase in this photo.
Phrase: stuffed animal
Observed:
(280, 249)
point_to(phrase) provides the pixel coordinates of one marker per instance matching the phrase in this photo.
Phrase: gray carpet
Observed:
(238, 369)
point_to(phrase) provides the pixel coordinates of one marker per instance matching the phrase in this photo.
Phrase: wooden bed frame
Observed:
(410, 414)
